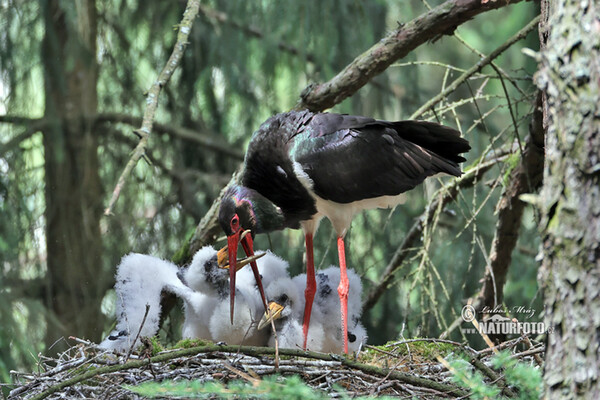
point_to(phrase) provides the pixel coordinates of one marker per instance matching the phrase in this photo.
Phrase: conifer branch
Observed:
(442, 20)
(185, 28)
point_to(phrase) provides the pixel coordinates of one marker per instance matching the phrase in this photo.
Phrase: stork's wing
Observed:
(352, 158)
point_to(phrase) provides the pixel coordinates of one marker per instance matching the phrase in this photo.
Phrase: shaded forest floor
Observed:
(408, 368)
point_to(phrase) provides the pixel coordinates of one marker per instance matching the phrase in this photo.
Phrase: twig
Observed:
(254, 381)
(476, 68)
(526, 177)
(255, 351)
(32, 126)
(223, 18)
(368, 346)
(532, 351)
(490, 373)
(445, 195)
(185, 28)
(440, 21)
(209, 141)
(138, 332)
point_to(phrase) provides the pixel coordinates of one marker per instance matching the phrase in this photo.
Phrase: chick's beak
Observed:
(273, 312)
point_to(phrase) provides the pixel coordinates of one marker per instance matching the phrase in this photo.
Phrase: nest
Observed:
(397, 369)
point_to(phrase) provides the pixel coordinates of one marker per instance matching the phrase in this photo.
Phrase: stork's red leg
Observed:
(343, 289)
(311, 285)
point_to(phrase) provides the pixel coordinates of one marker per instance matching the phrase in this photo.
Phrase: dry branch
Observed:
(32, 125)
(442, 20)
(257, 358)
(477, 67)
(252, 31)
(444, 196)
(209, 141)
(526, 177)
(185, 28)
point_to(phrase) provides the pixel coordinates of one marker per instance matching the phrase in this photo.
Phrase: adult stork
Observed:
(302, 166)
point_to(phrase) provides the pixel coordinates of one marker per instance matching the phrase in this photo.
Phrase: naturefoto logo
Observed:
(498, 324)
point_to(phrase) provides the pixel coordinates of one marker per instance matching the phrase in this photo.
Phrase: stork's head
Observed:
(238, 220)
(242, 214)
(243, 209)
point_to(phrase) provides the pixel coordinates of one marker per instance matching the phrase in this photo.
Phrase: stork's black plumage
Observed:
(301, 166)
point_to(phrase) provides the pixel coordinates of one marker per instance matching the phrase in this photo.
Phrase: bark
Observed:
(526, 177)
(570, 200)
(73, 191)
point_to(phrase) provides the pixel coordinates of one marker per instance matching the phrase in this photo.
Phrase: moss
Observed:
(183, 253)
(156, 346)
(511, 162)
(391, 353)
(189, 343)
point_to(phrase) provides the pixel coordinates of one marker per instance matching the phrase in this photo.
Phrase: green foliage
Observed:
(271, 387)
(527, 379)
(524, 379)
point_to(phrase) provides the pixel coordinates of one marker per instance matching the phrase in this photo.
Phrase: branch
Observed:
(442, 20)
(256, 352)
(223, 18)
(32, 126)
(209, 141)
(476, 68)
(185, 27)
(444, 195)
(525, 178)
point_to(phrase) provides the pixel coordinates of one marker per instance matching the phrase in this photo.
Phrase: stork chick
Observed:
(286, 305)
(140, 279)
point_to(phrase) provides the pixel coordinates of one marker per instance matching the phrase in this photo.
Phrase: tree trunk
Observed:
(570, 199)
(72, 183)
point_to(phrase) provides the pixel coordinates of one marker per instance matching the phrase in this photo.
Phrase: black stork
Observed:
(302, 166)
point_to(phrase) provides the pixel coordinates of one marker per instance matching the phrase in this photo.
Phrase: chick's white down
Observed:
(289, 326)
(248, 305)
(205, 277)
(204, 288)
(140, 279)
(326, 309)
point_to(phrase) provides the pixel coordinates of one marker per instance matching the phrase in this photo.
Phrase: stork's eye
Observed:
(284, 298)
(235, 223)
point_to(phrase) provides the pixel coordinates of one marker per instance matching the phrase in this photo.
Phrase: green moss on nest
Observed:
(419, 351)
(189, 343)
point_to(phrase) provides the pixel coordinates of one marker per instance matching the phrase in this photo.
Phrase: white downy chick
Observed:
(286, 304)
(204, 276)
(326, 309)
(248, 305)
(140, 279)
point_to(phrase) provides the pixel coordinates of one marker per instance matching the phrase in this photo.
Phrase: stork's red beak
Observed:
(232, 244)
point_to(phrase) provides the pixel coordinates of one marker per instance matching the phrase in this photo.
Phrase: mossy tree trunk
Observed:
(73, 188)
(570, 199)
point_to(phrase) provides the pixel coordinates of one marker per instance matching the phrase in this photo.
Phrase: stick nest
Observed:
(407, 368)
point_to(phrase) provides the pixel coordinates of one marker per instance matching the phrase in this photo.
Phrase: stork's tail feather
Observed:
(439, 139)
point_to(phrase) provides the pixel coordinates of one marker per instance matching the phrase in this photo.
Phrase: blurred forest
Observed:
(72, 87)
